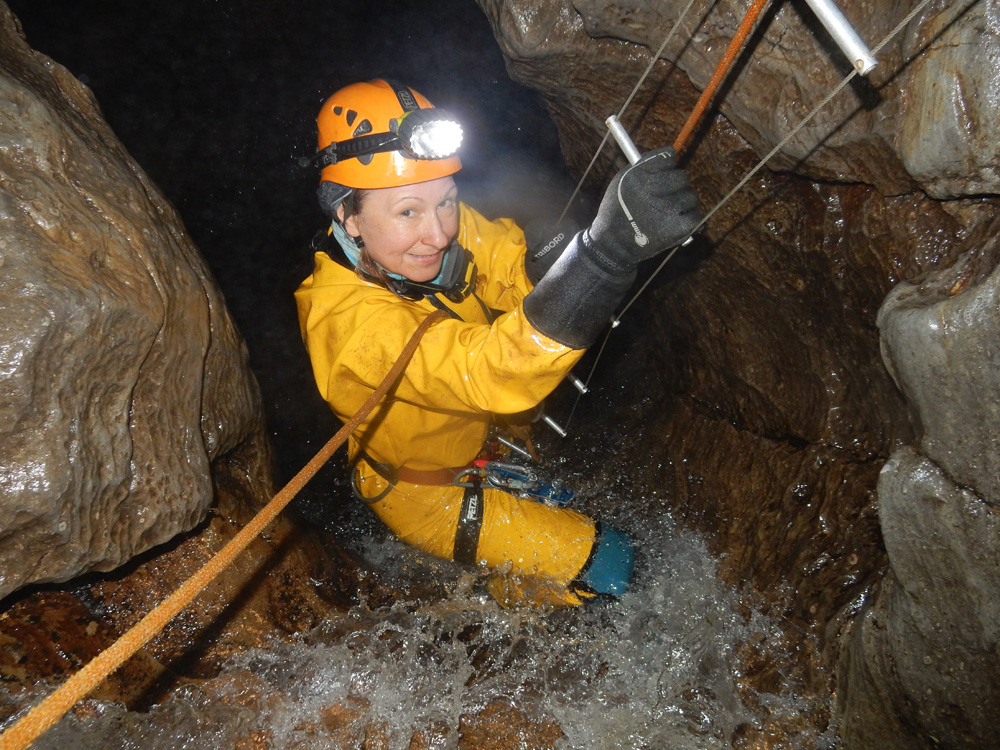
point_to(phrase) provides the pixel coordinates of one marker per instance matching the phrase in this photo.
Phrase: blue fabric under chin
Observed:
(611, 566)
(439, 279)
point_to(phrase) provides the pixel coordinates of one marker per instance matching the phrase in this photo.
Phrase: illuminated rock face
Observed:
(122, 376)
(924, 118)
(927, 644)
(768, 408)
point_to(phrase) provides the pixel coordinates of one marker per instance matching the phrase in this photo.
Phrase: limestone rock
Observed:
(922, 661)
(926, 116)
(121, 374)
(927, 643)
(941, 342)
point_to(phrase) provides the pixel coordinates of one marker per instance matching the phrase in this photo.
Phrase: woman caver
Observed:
(402, 245)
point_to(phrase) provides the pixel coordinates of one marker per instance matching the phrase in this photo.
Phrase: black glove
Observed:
(577, 297)
(546, 241)
(648, 208)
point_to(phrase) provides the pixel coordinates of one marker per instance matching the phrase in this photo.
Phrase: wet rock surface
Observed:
(927, 644)
(899, 129)
(287, 581)
(922, 659)
(48, 635)
(131, 431)
(768, 411)
(122, 375)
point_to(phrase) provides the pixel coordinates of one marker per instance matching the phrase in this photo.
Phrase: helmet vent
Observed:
(364, 127)
(351, 117)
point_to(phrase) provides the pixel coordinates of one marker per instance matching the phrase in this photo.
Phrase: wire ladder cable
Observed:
(725, 62)
(628, 101)
(784, 142)
(919, 8)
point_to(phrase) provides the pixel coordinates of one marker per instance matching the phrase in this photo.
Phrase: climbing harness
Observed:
(518, 481)
(44, 715)
(491, 468)
(470, 524)
(840, 30)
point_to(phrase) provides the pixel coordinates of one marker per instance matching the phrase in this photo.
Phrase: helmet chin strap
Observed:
(455, 281)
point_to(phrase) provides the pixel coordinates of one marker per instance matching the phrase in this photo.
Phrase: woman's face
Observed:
(407, 229)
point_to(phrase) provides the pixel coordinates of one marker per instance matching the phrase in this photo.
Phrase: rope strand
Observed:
(43, 716)
(749, 19)
(628, 101)
(781, 145)
(739, 186)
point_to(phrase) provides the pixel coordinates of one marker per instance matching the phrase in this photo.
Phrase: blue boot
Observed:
(609, 568)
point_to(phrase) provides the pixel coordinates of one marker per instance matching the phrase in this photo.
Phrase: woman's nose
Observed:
(434, 233)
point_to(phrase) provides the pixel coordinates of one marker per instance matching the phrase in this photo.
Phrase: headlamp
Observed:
(421, 133)
(429, 134)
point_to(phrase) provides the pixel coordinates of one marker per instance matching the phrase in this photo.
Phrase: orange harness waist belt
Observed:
(392, 474)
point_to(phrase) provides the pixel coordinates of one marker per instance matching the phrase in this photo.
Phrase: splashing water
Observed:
(655, 669)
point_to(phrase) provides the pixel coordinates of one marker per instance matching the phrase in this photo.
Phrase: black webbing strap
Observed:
(490, 313)
(470, 522)
(404, 94)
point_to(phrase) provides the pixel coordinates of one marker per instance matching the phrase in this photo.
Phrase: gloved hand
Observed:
(546, 241)
(649, 207)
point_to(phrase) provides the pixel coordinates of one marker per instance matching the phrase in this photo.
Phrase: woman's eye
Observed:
(407, 212)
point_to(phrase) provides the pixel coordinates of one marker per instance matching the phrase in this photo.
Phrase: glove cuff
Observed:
(576, 299)
(602, 259)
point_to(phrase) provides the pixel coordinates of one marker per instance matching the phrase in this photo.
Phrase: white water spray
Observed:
(656, 669)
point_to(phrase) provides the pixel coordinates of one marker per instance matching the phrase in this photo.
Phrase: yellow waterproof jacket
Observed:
(464, 370)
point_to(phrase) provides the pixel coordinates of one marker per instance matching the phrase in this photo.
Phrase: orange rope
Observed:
(33, 724)
(720, 71)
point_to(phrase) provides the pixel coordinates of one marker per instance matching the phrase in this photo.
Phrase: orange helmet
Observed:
(381, 134)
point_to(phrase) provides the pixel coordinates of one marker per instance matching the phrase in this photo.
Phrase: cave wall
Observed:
(122, 376)
(927, 645)
(132, 437)
(768, 412)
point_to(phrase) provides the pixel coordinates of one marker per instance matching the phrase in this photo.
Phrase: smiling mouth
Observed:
(427, 259)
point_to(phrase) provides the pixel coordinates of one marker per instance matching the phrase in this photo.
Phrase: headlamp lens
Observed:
(430, 134)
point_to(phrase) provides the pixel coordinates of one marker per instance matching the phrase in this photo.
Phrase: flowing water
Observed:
(657, 669)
